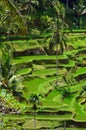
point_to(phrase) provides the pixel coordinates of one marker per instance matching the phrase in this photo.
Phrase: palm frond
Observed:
(15, 13)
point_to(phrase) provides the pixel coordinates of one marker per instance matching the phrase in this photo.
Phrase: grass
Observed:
(77, 42)
(25, 44)
(37, 60)
(71, 53)
(40, 124)
(52, 94)
(70, 64)
(77, 87)
(44, 72)
(81, 58)
(24, 71)
(76, 31)
(79, 71)
(32, 86)
(69, 100)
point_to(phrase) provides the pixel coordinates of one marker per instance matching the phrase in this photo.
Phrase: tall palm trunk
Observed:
(34, 108)
(2, 115)
(64, 125)
(56, 66)
(34, 119)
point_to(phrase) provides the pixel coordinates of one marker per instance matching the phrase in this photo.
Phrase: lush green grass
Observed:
(24, 71)
(80, 71)
(76, 42)
(22, 59)
(21, 45)
(32, 86)
(42, 73)
(70, 64)
(76, 31)
(78, 86)
(41, 124)
(71, 53)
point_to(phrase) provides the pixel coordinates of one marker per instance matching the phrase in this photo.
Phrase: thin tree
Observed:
(58, 38)
(34, 99)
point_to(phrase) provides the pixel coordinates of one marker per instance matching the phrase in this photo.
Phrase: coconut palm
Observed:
(59, 24)
(57, 37)
(8, 79)
(34, 99)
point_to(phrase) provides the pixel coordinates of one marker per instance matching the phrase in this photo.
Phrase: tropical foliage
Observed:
(42, 71)
(12, 16)
(8, 79)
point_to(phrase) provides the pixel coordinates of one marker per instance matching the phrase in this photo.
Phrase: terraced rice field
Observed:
(64, 103)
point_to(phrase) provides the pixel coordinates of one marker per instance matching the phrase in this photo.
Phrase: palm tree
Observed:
(15, 14)
(34, 99)
(8, 79)
(58, 37)
(80, 9)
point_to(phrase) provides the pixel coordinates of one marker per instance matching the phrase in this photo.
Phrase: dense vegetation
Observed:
(42, 64)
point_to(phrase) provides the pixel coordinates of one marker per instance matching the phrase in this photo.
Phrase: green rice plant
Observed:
(24, 71)
(80, 71)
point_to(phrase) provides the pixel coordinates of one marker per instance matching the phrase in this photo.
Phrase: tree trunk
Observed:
(64, 125)
(80, 22)
(56, 66)
(34, 108)
(34, 120)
